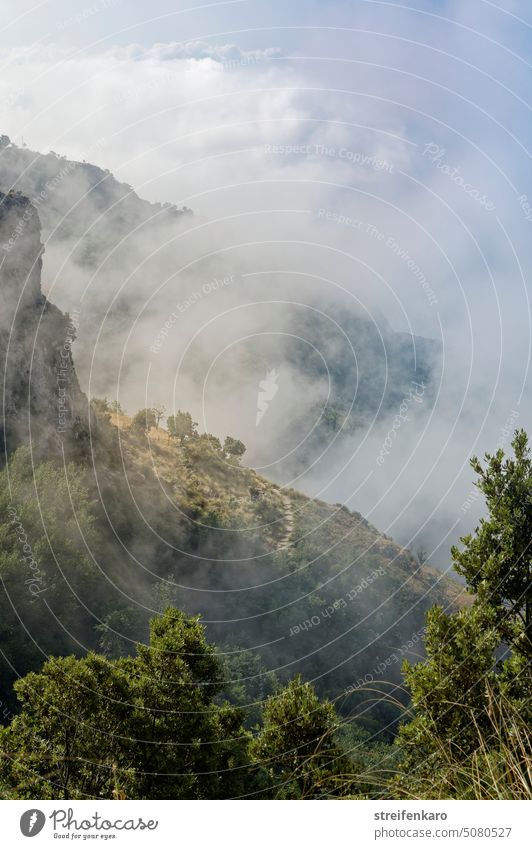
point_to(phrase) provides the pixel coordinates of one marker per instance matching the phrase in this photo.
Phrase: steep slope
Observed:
(145, 277)
(41, 398)
(79, 201)
(309, 586)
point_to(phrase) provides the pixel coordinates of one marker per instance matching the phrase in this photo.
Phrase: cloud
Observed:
(309, 177)
(199, 50)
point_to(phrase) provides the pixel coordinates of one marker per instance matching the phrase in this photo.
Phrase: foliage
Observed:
(247, 682)
(475, 687)
(159, 412)
(142, 727)
(215, 494)
(498, 766)
(101, 405)
(120, 630)
(234, 447)
(297, 744)
(211, 441)
(48, 524)
(116, 407)
(181, 426)
(497, 560)
(144, 420)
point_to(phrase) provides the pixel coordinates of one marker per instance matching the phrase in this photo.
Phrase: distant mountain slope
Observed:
(151, 286)
(77, 200)
(327, 375)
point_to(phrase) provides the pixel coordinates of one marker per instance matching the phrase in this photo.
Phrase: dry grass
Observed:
(499, 768)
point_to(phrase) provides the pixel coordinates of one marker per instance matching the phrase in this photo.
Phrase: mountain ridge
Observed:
(311, 587)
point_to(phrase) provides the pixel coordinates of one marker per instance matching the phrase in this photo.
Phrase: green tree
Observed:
(234, 447)
(497, 560)
(142, 727)
(47, 526)
(297, 744)
(248, 683)
(101, 405)
(180, 426)
(159, 414)
(479, 658)
(210, 440)
(66, 742)
(121, 630)
(144, 420)
(116, 407)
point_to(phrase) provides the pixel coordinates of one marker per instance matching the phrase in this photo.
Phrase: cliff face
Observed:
(78, 200)
(41, 398)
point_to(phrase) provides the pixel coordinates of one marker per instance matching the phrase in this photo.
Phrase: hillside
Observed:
(138, 521)
(145, 278)
(79, 200)
(311, 587)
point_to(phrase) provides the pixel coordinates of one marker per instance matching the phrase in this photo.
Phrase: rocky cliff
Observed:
(40, 390)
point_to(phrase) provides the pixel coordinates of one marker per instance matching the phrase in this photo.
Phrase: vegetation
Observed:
(175, 709)
(112, 687)
(298, 747)
(148, 727)
(181, 426)
(144, 420)
(234, 447)
(47, 529)
(472, 698)
(142, 727)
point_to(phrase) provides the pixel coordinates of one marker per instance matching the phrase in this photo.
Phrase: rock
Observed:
(41, 398)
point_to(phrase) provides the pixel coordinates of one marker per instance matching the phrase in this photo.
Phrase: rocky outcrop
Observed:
(41, 398)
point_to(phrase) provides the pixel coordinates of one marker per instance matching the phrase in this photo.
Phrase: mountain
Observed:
(309, 586)
(41, 397)
(153, 520)
(151, 285)
(79, 201)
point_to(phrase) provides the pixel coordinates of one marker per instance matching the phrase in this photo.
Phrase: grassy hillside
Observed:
(309, 586)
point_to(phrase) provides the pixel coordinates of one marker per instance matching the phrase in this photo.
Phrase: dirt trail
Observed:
(289, 522)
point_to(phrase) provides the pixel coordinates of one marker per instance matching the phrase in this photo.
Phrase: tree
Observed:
(211, 440)
(181, 426)
(120, 630)
(159, 414)
(101, 405)
(450, 686)
(422, 555)
(102, 408)
(143, 727)
(497, 560)
(47, 525)
(234, 447)
(116, 407)
(297, 744)
(65, 741)
(144, 420)
(478, 660)
(248, 682)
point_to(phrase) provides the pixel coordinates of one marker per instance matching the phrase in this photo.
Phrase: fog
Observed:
(370, 163)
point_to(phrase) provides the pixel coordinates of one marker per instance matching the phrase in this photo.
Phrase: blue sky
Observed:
(118, 21)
